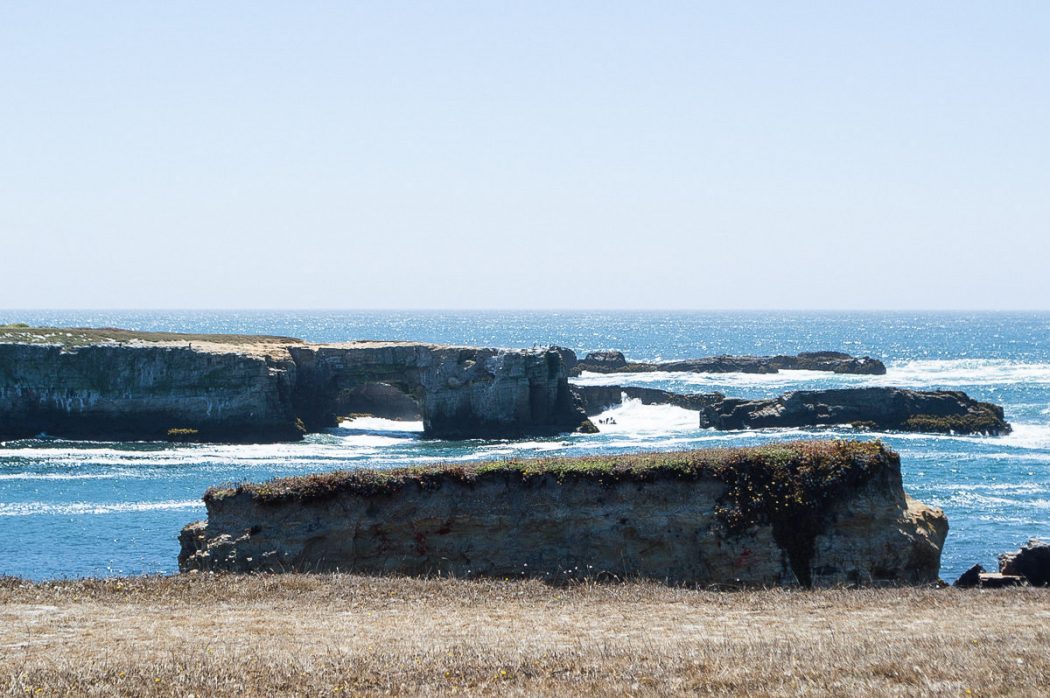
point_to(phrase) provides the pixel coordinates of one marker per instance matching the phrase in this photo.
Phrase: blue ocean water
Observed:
(71, 509)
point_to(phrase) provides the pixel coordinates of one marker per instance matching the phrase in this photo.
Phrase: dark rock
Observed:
(598, 398)
(1031, 562)
(837, 362)
(378, 400)
(970, 578)
(834, 361)
(941, 411)
(605, 359)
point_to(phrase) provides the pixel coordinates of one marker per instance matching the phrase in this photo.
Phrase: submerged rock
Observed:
(1032, 562)
(940, 411)
(819, 513)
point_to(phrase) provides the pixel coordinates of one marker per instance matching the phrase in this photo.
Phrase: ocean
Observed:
(78, 509)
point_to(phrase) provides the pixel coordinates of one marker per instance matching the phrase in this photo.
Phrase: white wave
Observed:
(81, 508)
(377, 424)
(906, 374)
(712, 381)
(632, 417)
(66, 476)
(539, 446)
(1006, 487)
(1025, 436)
(963, 372)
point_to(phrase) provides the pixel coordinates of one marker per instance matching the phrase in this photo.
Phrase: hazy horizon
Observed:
(471, 156)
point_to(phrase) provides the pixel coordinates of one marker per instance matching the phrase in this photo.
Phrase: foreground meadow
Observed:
(341, 634)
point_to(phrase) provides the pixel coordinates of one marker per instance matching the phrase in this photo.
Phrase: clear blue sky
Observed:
(525, 155)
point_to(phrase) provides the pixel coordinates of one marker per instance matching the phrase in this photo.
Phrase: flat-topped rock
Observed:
(1032, 562)
(940, 411)
(814, 513)
(118, 384)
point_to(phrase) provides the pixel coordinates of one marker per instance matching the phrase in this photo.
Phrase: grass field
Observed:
(339, 634)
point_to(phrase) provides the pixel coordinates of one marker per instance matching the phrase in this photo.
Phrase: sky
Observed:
(460, 155)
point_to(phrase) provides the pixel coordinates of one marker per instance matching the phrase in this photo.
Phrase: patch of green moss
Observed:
(983, 422)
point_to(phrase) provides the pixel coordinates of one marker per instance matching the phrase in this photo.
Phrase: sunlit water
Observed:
(78, 508)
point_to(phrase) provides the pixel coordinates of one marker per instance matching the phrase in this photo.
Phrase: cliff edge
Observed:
(809, 513)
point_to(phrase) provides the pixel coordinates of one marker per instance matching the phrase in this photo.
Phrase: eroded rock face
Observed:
(115, 392)
(877, 408)
(836, 362)
(273, 390)
(506, 523)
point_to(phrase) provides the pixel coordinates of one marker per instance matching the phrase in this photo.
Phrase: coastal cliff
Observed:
(111, 392)
(115, 384)
(815, 513)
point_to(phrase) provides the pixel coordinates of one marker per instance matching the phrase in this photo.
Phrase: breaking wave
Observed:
(82, 508)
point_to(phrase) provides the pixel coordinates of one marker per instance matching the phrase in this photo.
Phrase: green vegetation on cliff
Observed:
(20, 333)
(788, 486)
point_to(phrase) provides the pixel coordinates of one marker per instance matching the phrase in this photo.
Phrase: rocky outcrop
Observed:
(941, 411)
(113, 384)
(598, 398)
(835, 362)
(1032, 562)
(819, 513)
(977, 578)
(607, 360)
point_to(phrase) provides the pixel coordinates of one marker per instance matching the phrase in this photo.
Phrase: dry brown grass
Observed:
(341, 634)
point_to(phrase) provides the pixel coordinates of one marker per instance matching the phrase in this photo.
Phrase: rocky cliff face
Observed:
(90, 385)
(463, 393)
(744, 516)
(115, 392)
(877, 408)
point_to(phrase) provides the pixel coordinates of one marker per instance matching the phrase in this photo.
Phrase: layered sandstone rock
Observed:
(811, 513)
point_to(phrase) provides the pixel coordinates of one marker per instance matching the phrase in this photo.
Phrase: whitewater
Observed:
(70, 509)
